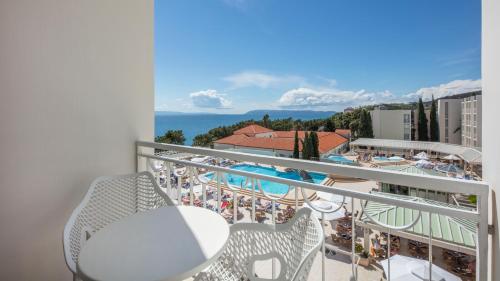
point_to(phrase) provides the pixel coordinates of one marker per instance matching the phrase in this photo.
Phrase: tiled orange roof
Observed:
(330, 141)
(251, 130)
(284, 140)
(291, 134)
(343, 132)
(232, 139)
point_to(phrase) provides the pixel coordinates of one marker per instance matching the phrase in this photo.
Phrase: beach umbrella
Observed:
(326, 207)
(450, 168)
(421, 156)
(155, 165)
(196, 189)
(405, 268)
(335, 198)
(396, 158)
(424, 164)
(200, 159)
(452, 157)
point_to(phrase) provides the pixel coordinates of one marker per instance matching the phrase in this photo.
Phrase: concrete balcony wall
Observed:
(491, 131)
(76, 92)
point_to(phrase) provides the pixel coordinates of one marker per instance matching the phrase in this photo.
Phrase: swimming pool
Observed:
(268, 186)
(384, 158)
(337, 158)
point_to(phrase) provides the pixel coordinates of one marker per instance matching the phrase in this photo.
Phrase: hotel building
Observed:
(471, 121)
(449, 118)
(391, 124)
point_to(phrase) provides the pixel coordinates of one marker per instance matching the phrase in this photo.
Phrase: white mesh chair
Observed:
(294, 244)
(109, 199)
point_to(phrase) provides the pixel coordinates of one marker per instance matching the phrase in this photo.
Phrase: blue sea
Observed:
(199, 123)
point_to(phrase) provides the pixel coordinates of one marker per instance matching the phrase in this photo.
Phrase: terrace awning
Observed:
(411, 269)
(453, 231)
(471, 155)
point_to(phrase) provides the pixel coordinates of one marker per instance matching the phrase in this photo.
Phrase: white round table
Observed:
(169, 243)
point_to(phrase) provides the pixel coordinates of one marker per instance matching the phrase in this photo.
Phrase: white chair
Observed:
(109, 199)
(294, 244)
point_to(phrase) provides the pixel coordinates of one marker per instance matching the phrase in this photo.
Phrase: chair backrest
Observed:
(295, 242)
(109, 199)
(300, 243)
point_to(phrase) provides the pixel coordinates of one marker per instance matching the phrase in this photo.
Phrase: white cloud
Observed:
(209, 99)
(325, 97)
(451, 88)
(261, 80)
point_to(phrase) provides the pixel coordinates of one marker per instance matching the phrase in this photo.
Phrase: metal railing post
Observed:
(179, 189)
(235, 207)
(168, 179)
(430, 246)
(204, 194)
(253, 200)
(191, 186)
(353, 239)
(219, 193)
(323, 250)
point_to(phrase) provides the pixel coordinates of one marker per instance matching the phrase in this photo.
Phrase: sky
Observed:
(232, 56)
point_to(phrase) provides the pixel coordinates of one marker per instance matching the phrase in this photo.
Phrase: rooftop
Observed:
(468, 154)
(256, 136)
(252, 130)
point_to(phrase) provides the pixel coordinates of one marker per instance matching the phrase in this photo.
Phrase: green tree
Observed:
(365, 124)
(329, 125)
(172, 136)
(306, 147)
(296, 152)
(265, 121)
(314, 145)
(434, 126)
(422, 122)
(203, 140)
(368, 125)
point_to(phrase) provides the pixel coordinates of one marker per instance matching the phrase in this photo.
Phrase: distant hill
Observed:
(176, 113)
(296, 114)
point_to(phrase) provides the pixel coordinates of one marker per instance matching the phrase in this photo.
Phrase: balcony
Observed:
(407, 227)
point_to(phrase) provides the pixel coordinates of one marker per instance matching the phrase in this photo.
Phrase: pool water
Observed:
(339, 159)
(268, 186)
(380, 158)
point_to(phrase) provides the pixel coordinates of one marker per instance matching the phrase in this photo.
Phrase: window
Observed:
(406, 118)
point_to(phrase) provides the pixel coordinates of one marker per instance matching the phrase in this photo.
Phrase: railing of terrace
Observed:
(145, 153)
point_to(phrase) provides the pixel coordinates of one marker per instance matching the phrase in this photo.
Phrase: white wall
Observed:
(490, 64)
(454, 120)
(389, 124)
(76, 86)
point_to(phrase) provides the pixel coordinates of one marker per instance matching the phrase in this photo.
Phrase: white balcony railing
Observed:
(479, 215)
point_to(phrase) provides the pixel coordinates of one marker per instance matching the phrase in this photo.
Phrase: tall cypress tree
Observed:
(306, 151)
(266, 121)
(314, 145)
(423, 135)
(434, 126)
(296, 152)
(368, 124)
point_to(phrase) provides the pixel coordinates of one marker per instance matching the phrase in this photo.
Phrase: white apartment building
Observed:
(391, 124)
(449, 118)
(471, 121)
